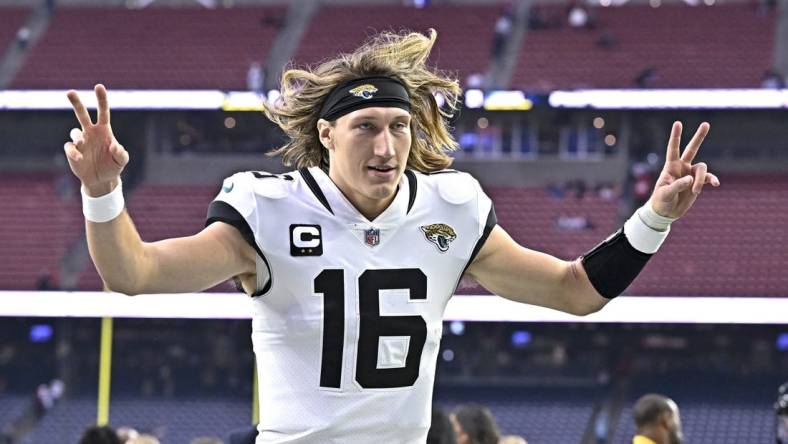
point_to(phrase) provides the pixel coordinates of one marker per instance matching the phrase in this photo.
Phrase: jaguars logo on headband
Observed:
(439, 234)
(365, 91)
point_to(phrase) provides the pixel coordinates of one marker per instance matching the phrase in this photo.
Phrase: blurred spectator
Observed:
(657, 421)
(537, 19)
(573, 223)
(607, 40)
(474, 424)
(47, 396)
(647, 78)
(606, 191)
(126, 433)
(602, 426)
(255, 78)
(45, 281)
(765, 7)
(577, 187)
(772, 80)
(781, 409)
(577, 16)
(503, 29)
(100, 435)
(555, 191)
(642, 181)
(441, 428)
(23, 37)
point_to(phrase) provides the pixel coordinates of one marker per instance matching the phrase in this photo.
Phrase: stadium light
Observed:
(670, 98)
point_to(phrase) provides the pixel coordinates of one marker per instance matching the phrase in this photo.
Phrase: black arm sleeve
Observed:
(613, 265)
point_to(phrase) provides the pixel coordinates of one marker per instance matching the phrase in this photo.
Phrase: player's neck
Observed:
(369, 207)
(373, 208)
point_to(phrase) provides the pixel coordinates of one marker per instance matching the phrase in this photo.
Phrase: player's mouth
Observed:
(382, 171)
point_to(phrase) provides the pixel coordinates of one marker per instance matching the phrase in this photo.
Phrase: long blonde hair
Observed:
(399, 55)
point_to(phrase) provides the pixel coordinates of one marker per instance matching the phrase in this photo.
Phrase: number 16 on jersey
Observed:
(330, 283)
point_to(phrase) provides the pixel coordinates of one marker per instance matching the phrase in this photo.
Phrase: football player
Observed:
(352, 257)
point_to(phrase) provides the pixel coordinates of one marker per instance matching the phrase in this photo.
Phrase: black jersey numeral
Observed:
(331, 283)
(372, 326)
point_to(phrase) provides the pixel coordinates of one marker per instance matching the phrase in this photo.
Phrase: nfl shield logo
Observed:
(372, 237)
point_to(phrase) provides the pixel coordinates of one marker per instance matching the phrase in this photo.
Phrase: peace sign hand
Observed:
(93, 154)
(681, 182)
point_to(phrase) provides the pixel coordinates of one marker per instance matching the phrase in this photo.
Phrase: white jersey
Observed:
(348, 317)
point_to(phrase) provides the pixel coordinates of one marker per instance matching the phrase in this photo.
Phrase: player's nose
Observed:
(384, 144)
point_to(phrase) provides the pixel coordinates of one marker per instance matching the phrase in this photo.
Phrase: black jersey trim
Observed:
(412, 185)
(312, 184)
(491, 222)
(219, 211)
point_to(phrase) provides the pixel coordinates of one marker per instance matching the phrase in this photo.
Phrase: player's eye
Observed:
(365, 126)
(400, 126)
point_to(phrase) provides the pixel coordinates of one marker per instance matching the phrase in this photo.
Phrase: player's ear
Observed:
(324, 132)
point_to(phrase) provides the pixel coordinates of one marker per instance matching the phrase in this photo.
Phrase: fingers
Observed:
(72, 152)
(699, 177)
(694, 145)
(79, 109)
(712, 179)
(675, 142)
(103, 105)
(119, 154)
(678, 186)
(76, 135)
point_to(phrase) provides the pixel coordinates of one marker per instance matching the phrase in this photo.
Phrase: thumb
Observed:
(677, 187)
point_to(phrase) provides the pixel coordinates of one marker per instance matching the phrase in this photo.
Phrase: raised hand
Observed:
(681, 182)
(93, 153)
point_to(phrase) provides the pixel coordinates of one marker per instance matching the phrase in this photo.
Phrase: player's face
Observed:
(368, 153)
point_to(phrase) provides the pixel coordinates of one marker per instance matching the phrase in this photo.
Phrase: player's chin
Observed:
(381, 190)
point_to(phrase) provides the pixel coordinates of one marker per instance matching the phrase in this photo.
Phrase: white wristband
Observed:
(641, 229)
(103, 208)
(652, 219)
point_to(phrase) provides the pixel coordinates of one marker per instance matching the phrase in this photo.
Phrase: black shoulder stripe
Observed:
(219, 211)
(263, 175)
(312, 184)
(491, 222)
(412, 185)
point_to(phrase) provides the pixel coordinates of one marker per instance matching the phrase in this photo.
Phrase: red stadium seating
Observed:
(11, 19)
(38, 227)
(732, 47)
(465, 32)
(156, 48)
